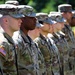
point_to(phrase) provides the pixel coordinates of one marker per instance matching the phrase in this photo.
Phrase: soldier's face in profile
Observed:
(13, 23)
(68, 16)
(46, 27)
(72, 22)
(51, 28)
(29, 23)
(57, 27)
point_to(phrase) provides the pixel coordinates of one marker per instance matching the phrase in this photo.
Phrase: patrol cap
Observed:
(41, 16)
(48, 20)
(44, 18)
(53, 15)
(27, 10)
(12, 2)
(65, 8)
(12, 10)
(60, 19)
(57, 17)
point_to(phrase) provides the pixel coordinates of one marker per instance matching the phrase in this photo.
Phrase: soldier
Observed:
(46, 45)
(58, 37)
(34, 34)
(60, 21)
(28, 52)
(66, 11)
(9, 23)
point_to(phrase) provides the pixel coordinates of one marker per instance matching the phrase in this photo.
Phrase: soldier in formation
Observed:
(29, 55)
(8, 57)
(66, 11)
(51, 49)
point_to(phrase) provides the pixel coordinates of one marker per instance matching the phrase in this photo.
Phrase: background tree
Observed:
(44, 5)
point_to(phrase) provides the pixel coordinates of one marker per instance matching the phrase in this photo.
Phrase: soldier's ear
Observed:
(5, 20)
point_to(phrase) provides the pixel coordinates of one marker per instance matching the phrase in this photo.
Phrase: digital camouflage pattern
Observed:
(50, 56)
(63, 47)
(28, 55)
(71, 42)
(7, 54)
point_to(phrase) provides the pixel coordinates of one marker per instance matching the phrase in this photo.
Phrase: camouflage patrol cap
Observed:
(65, 8)
(27, 10)
(12, 2)
(12, 10)
(57, 17)
(60, 19)
(44, 18)
(41, 16)
(53, 14)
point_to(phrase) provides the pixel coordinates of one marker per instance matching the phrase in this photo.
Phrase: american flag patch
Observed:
(2, 51)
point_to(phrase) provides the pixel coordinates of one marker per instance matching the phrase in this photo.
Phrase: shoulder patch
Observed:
(2, 51)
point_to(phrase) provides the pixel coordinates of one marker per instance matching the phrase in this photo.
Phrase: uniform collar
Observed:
(26, 37)
(6, 36)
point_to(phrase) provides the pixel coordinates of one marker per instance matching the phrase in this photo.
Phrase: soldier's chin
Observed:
(32, 28)
(16, 29)
(55, 30)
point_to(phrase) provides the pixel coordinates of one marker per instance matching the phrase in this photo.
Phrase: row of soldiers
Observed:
(36, 43)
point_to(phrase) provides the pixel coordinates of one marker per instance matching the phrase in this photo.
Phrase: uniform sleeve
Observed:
(7, 53)
(3, 50)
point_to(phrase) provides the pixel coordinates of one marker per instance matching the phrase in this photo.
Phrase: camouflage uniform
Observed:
(71, 41)
(50, 56)
(8, 57)
(69, 37)
(7, 54)
(28, 52)
(63, 47)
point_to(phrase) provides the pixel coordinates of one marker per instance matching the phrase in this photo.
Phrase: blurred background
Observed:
(44, 5)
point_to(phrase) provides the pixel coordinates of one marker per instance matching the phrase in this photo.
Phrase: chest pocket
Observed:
(10, 57)
(11, 54)
(45, 50)
(25, 56)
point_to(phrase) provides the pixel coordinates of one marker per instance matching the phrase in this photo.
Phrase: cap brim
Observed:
(33, 14)
(17, 15)
(50, 21)
(61, 20)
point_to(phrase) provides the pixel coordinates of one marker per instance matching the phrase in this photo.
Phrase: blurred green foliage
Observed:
(44, 5)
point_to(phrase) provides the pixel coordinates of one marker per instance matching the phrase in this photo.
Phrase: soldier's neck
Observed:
(25, 31)
(44, 33)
